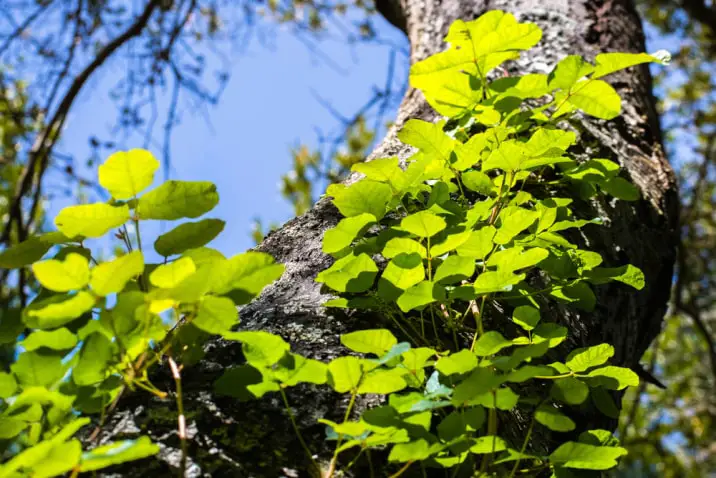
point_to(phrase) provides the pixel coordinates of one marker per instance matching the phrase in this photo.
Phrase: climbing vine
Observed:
(459, 252)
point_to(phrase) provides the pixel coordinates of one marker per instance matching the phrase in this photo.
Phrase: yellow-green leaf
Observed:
(127, 173)
(178, 199)
(170, 275)
(63, 276)
(91, 220)
(111, 277)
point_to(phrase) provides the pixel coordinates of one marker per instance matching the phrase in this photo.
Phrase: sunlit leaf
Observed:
(178, 199)
(127, 173)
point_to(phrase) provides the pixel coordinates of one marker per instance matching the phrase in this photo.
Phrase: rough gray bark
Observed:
(231, 438)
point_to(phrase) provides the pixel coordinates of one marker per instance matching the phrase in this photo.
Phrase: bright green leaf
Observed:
(111, 277)
(91, 220)
(350, 274)
(170, 275)
(373, 341)
(63, 276)
(586, 457)
(178, 199)
(364, 196)
(60, 339)
(127, 173)
(347, 230)
(553, 419)
(216, 315)
(423, 224)
(117, 452)
(582, 359)
(189, 235)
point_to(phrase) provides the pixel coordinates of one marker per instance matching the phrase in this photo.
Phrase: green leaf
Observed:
(91, 220)
(490, 343)
(610, 62)
(586, 457)
(60, 459)
(95, 357)
(454, 269)
(423, 224)
(551, 333)
(413, 451)
(582, 359)
(496, 281)
(554, 141)
(111, 277)
(568, 71)
(345, 374)
(385, 170)
(488, 444)
(620, 188)
(293, 369)
(515, 258)
(10, 428)
(216, 315)
(383, 381)
(249, 272)
(526, 317)
(613, 378)
(477, 181)
(364, 196)
(508, 157)
(429, 138)
(479, 244)
(350, 274)
(25, 253)
(596, 98)
(400, 245)
(189, 235)
(374, 341)
(58, 310)
(604, 402)
(404, 271)
(63, 276)
(38, 369)
(127, 173)
(629, 275)
(178, 199)
(550, 417)
(420, 295)
(347, 230)
(204, 255)
(60, 339)
(245, 383)
(170, 275)
(8, 385)
(460, 362)
(528, 372)
(514, 220)
(451, 242)
(118, 452)
(260, 348)
(569, 390)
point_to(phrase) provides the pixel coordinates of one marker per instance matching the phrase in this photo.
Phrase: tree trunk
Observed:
(232, 438)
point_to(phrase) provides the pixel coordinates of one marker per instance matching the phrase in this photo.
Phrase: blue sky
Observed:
(268, 107)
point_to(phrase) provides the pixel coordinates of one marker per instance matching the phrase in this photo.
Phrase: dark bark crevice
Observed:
(230, 438)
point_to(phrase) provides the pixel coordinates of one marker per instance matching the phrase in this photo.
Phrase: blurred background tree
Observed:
(176, 52)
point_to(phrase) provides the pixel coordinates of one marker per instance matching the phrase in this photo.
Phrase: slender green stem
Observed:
(524, 447)
(181, 419)
(402, 470)
(297, 431)
(334, 459)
